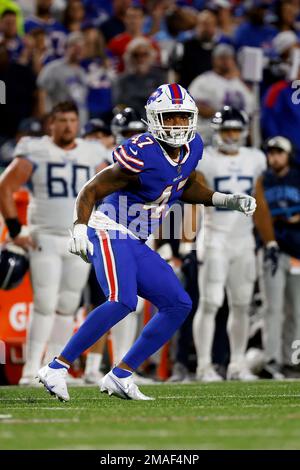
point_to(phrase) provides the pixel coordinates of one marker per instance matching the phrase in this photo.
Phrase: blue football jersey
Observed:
(141, 208)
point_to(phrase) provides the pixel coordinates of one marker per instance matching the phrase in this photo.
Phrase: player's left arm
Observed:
(197, 192)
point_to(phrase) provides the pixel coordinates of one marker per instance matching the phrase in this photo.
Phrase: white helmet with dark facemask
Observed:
(167, 99)
(226, 119)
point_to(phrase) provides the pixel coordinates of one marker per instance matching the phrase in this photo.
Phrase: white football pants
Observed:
(229, 266)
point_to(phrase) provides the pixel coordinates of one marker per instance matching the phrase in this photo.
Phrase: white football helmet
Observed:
(170, 98)
(226, 119)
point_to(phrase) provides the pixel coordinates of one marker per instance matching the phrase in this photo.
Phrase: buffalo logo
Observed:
(154, 95)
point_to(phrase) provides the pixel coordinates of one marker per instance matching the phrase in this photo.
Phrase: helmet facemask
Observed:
(229, 145)
(175, 136)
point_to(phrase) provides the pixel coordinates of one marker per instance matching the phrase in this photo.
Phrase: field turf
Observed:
(260, 415)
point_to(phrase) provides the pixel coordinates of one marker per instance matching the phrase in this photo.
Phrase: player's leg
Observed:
(115, 267)
(158, 283)
(240, 285)
(73, 280)
(212, 279)
(92, 372)
(124, 333)
(45, 270)
(275, 297)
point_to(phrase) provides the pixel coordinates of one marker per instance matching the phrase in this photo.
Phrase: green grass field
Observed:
(261, 415)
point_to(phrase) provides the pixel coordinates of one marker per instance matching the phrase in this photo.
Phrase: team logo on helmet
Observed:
(156, 94)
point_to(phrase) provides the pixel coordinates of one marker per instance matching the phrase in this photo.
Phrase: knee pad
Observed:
(239, 309)
(68, 302)
(43, 303)
(208, 308)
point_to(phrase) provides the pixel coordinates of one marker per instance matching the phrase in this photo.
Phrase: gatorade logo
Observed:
(19, 314)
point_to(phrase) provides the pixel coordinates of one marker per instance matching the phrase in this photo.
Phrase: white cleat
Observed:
(54, 380)
(240, 372)
(92, 378)
(122, 388)
(208, 374)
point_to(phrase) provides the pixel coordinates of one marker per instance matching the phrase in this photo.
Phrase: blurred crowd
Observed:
(108, 55)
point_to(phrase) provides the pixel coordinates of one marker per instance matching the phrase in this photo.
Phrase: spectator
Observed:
(180, 22)
(13, 6)
(64, 79)
(27, 7)
(55, 31)
(193, 57)
(20, 95)
(73, 16)
(99, 75)
(134, 20)
(254, 31)
(98, 11)
(9, 35)
(219, 87)
(115, 24)
(281, 112)
(141, 77)
(287, 12)
(35, 49)
(222, 9)
(280, 188)
(278, 67)
(155, 22)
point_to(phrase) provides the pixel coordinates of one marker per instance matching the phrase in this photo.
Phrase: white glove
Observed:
(79, 244)
(238, 202)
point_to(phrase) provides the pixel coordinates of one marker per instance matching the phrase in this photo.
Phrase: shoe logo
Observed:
(135, 152)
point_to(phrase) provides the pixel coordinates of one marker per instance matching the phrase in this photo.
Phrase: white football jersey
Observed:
(57, 177)
(230, 174)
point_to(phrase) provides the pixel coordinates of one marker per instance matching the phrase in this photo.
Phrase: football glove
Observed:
(238, 202)
(271, 257)
(79, 244)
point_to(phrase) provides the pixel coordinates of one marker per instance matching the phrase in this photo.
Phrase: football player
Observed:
(150, 172)
(54, 168)
(228, 254)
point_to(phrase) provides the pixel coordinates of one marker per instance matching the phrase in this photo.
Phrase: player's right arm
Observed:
(107, 181)
(16, 175)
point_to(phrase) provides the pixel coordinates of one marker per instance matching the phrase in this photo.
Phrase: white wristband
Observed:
(80, 230)
(219, 199)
